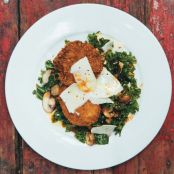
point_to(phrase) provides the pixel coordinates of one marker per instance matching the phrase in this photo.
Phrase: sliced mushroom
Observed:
(55, 90)
(116, 76)
(52, 117)
(90, 127)
(90, 139)
(125, 98)
(121, 65)
(108, 113)
(108, 120)
(129, 117)
(45, 76)
(48, 102)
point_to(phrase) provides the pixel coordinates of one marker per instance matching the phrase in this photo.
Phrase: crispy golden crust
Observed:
(85, 115)
(70, 54)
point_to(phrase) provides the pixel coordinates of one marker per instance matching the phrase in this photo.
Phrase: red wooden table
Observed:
(16, 16)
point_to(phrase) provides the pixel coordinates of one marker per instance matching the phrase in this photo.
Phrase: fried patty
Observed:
(85, 115)
(88, 113)
(70, 54)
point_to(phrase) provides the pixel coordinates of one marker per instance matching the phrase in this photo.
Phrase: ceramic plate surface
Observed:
(42, 41)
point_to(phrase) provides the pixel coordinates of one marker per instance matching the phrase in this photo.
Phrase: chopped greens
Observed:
(49, 65)
(97, 43)
(125, 74)
(51, 82)
(67, 41)
(58, 116)
(81, 136)
(80, 133)
(101, 138)
(122, 66)
(53, 79)
(100, 121)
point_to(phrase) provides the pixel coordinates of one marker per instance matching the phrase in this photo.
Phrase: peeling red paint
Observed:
(159, 16)
(123, 5)
(161, 22)
(8, 38)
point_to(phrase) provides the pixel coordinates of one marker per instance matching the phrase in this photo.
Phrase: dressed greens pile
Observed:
(122, 66)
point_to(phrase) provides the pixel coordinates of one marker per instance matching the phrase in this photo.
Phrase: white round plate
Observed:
(42, 41)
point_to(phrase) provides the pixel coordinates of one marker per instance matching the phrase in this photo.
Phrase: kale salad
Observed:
(111, 116)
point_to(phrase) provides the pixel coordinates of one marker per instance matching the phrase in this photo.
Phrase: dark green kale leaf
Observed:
(67, 41)
(125, 75)
(101, 139)
(100, 121)
(49, 65)
(53, 80)
(80, 133)
(39, 91)
(59, 116)
(97, 43)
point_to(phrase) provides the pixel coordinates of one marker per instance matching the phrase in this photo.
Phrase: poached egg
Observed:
(84, 75)
(88, 87)
(73, 97)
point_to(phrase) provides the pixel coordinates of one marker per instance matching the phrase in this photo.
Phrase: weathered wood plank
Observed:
(30, 11)
(8, 39)
(134, 7)
(129, 167)
(143, 163)
(104, 171)
(158, 157)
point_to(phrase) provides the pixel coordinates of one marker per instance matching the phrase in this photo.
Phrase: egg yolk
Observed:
(82, 84)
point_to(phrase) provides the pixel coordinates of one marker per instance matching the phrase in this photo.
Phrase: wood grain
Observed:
(15, 18)
(104, 171)
(134, 7)
(8, 26)
(141, 163)
(158, 157)
(33, 10)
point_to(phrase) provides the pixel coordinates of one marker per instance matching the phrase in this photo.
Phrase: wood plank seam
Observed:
(145, 12)
(141, 165)
(19, 19)
(18, 152)
(18, 139)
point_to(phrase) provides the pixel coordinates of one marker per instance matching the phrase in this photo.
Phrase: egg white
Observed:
(84, 75)
(87, 87)
(107, 85)
(73, 97)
